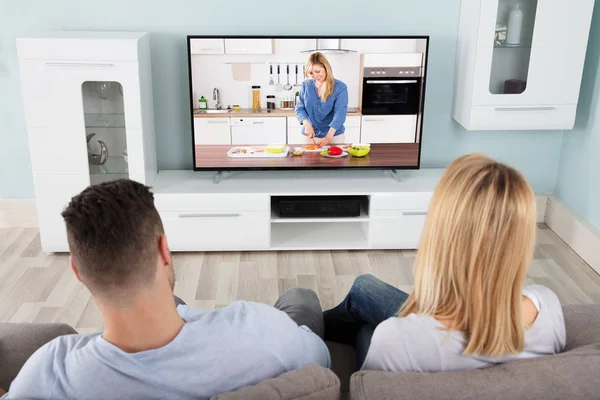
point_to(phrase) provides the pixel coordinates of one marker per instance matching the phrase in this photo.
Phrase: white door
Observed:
(389, 129)
(207, 46)
(352, 125)
(258, 131)
(249, 46)
(212, 131)
(294, 47)
(548, 59)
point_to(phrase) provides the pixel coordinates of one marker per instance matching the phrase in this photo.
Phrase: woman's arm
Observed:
(302, 115)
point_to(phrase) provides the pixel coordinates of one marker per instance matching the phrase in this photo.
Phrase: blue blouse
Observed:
(323, 115)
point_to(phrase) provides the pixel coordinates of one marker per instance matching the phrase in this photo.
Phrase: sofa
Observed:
(573, 374)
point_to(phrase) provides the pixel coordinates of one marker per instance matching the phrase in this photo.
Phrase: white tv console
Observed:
(236, 214)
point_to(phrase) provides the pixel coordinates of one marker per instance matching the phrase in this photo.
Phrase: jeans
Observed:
(369, 302)
(301, 305)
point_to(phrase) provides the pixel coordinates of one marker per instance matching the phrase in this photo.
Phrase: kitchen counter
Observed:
(381, 155)
(248, 112)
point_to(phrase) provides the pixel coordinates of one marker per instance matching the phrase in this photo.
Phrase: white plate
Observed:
(344, 154)
(320, 149)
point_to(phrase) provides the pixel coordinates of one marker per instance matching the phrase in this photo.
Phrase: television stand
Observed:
(241, 213)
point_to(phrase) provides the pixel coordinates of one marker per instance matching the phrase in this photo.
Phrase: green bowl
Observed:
(358, 153)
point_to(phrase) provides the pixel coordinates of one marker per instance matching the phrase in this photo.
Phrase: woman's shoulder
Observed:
(340, 85)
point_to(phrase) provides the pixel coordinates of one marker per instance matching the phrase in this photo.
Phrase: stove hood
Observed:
(329, 46)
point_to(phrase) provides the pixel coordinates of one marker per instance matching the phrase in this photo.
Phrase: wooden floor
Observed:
(35, 287)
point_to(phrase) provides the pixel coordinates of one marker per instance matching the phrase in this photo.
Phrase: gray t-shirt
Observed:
(216, 351)
(418, 343)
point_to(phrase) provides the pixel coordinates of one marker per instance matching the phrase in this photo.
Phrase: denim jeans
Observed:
(369, 302)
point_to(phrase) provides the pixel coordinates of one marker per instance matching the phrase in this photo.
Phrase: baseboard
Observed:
(540, 207)
(18, 213)
(575, 231)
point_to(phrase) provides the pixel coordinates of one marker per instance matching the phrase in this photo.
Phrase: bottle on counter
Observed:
(270, 102)
(296, 97)
(203, 104)
(256, 98)
(515, 24)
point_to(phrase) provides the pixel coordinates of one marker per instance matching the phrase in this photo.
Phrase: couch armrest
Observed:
(19, 341)
(582, 322)
(312, 382)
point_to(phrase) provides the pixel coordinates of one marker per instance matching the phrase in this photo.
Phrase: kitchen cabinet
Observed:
(249, 46)
(379, 46)
(547, 65)
(295, 136)
(212, 131)
(294, 47)
(256, 130)
(352, 129)
(85, 92)
(389, 129)
(207, 46)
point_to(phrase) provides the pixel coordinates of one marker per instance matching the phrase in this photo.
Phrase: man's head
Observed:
(118, 247)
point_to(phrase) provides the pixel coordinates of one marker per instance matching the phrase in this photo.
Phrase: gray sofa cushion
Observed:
(19, 341)
(572, 374)
(312, 382)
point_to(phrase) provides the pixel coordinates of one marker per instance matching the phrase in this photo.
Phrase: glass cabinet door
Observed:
(105, 130)
(515, 23)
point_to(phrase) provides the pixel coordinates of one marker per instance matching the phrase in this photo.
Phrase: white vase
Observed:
(515, 25)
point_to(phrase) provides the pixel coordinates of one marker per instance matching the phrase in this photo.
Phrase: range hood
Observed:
(330, 46)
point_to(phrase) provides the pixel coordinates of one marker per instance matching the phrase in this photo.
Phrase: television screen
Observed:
(262, 102)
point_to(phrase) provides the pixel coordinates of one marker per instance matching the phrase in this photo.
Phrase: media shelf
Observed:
(240, 213)
(320, 236)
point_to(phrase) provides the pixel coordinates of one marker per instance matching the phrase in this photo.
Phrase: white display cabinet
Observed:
(89, 114)
(530, 83)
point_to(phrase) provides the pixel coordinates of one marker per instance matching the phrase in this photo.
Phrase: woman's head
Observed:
(478, 241)
(318, 68)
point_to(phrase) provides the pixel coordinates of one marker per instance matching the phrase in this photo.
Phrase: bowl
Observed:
(274, 149)
(298, 151)
(359, 152)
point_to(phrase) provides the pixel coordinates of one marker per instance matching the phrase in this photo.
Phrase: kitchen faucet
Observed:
(217, 97)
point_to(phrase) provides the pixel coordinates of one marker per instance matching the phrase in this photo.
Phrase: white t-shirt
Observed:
(418, 343)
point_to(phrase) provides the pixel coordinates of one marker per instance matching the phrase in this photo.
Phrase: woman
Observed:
(468, 308)
(322, 104)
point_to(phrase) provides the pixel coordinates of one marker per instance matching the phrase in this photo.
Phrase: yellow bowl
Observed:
(358, 153)
(274, 150)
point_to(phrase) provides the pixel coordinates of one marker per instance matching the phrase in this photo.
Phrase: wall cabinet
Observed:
(294, 47)
(380, 45)
(85, 93)
(258, 130)
(389, 129)
(207, 46)
(212, 131)
(249, 46)
(531, 83)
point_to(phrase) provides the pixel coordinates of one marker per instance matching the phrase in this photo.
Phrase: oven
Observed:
(391, 91)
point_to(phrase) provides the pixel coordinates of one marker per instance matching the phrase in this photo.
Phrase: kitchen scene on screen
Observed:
(255, 104)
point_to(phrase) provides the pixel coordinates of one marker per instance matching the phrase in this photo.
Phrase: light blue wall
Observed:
(535, 153)
(579, 172)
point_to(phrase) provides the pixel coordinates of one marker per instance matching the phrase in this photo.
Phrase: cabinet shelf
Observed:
(525, 44)
(319, 236)
(100, 120)
(113, 166)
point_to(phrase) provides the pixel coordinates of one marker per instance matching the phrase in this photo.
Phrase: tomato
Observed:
(335, 151)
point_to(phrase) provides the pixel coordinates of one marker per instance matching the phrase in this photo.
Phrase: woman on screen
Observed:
(322, 104)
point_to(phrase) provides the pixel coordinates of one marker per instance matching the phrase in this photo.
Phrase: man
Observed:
(151, 348)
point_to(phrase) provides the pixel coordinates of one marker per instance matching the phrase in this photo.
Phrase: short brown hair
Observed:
(113, 230)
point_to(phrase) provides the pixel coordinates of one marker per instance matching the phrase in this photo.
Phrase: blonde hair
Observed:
(319, 59)
(475, 249)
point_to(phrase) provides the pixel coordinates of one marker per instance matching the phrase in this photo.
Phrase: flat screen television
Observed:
(307, 102)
